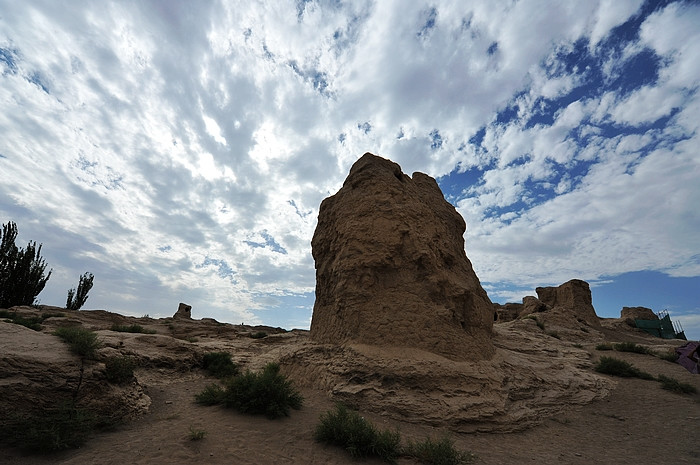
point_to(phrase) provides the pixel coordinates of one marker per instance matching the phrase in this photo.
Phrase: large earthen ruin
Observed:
(391, 269)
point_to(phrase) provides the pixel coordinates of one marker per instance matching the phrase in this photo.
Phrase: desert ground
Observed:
(635, 422)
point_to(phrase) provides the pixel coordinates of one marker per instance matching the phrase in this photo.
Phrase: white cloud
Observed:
(176, 150)
(646, 105)
(611, 13)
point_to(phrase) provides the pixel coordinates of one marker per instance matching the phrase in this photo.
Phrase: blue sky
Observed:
(180, 150)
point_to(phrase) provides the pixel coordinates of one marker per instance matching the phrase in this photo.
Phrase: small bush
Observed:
(631, 347)
(197, 434)
(438, 452)
(135, 328)
(219, 364)
(672, 384)
(604, 346)
(258, 335)
(266, 392)
(213, 394)
(347, 429)
(540, 324)
(616, 367)
(670, 356)
(119, 370)
(82, 342)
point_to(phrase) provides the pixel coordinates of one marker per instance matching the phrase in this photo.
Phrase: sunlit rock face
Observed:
(391, 268)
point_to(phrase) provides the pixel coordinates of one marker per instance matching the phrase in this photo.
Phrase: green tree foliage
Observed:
(22, 271)
(77, 299)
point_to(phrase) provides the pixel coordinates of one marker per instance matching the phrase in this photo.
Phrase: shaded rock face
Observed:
(506, 312)
(533, 305)
(573, 299)
(391, 268)
(39, 373)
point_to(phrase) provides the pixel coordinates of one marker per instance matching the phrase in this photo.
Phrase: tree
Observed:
(77, 300)
(21, 270)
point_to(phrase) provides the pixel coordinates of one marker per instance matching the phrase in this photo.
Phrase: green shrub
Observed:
(82, 342)
(631, 347)
(77, 299)
(31, 322)
(219, 364)
(670, 356)
(197, 434)
(134, 328)
(540, 324)
(672, 384)
(604, 346)
(258, 335)
(438, 452)
(55, 428)
(119, 369)
(213, 394)
(21, 270)
(347, 429)
(266, 392)
(616, 367)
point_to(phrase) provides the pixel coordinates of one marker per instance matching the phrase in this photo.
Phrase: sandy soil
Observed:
(638, 423)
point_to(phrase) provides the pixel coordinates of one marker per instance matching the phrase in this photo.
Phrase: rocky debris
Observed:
(629, 314)
(391, 268)
(184, 312)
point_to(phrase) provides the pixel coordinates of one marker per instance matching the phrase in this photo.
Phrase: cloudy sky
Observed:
(180, 150)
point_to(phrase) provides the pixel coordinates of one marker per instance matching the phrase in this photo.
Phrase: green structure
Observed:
(663, 327)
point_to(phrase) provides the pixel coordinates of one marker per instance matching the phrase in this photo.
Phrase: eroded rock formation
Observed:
(184, 312)
(629, 314)
(391, 268)
(569, 302)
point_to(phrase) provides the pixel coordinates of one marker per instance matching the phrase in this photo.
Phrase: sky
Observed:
(180, 150)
